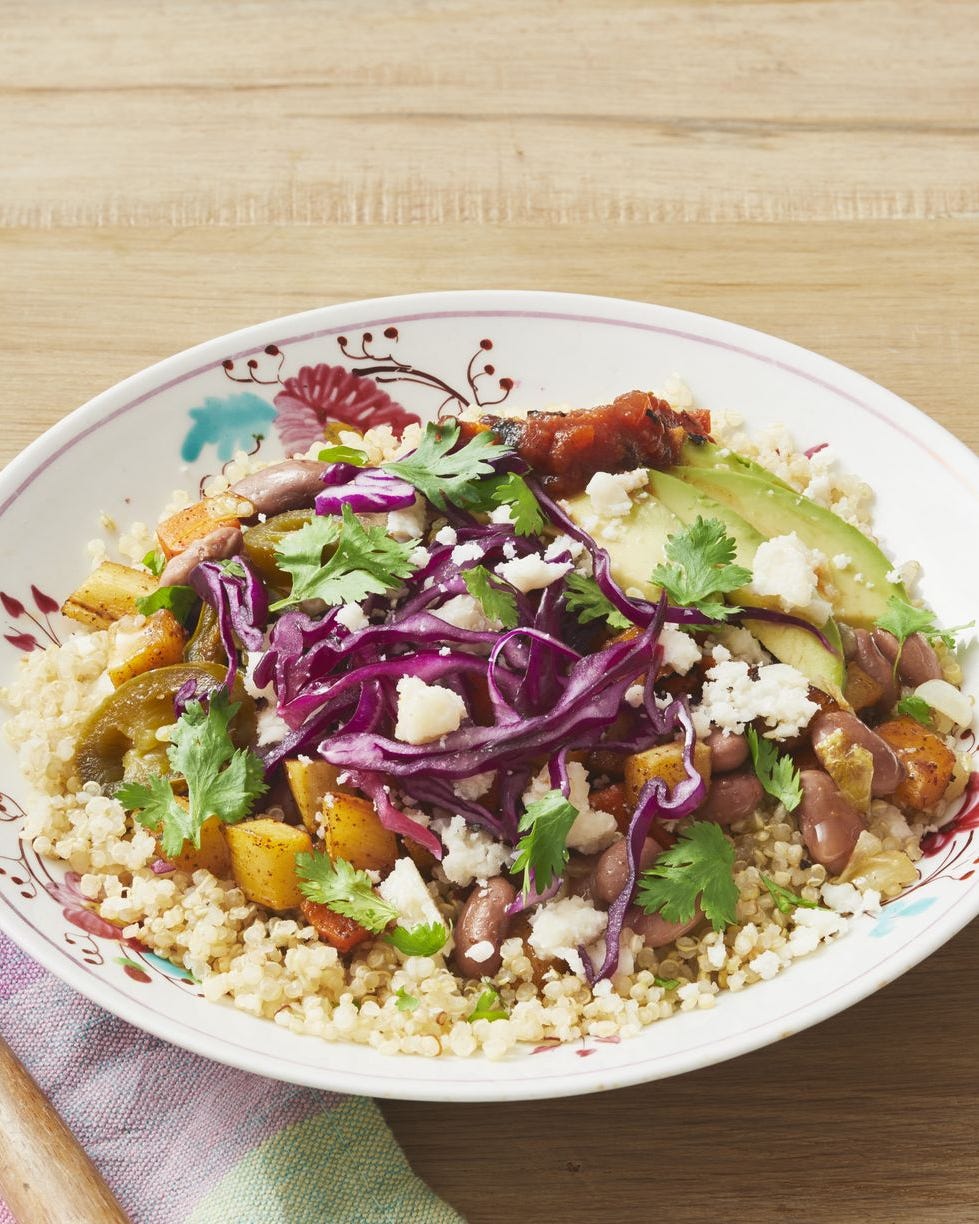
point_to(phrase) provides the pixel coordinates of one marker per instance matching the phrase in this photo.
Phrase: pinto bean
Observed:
(612, 869)
(888, 770)
(654, 928)
(878, 667)
(217, 545)
(918, 661)
(283, 486)
(731, 797)
(483, 920)
(727, 751)
(830, 826)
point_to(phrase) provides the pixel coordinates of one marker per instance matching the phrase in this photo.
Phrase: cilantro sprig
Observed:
(903, 619)
(365, 560)
(701, 566)
(489, 1006)
(343, 888)
(786, 901)
(584, 597)
(496, 600)
(699, 864)
(221, 780)
(542, 853)
(179, 600)
(404, 1001)
(443, 474)
(510, 489)
(918, 709)
(423, 940)
(775, 771)
(155, 562)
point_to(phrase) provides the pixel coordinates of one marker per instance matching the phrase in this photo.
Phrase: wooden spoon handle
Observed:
(45, 1176)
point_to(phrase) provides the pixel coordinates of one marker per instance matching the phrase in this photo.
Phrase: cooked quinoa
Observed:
(279, 969)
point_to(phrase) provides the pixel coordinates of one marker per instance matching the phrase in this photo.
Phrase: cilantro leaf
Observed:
(221, 780)
(916, 708)
(785, 900)
(700, 863)
(585, 599)
(512, 490)
(423, 940)
(666, 983)
(445, 475)
(776, 772)
(542, 852)
(155, 562)
(902, 619)
(343, 454)
(344, 889)
(489, 1006)
(365, 560)
(497, 602)
(405, 1001)
(179, 600)
(701, 565)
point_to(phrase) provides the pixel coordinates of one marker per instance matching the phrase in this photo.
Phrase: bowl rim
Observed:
(136, 388)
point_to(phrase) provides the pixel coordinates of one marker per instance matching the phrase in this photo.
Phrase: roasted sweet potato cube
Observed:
(263, 861)
(333, 928)
(354, 832)
(142, 644)
(664, 761)
(212, 854)
(928, 762)
(198, 520)
(310, 782)
(107, 594)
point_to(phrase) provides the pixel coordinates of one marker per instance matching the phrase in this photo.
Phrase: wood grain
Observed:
(45, 1177)
(174, 170)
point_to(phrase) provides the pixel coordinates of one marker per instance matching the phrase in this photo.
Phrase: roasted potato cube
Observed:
(928, 762)
(666, 762)
(263, 861)
(140, 644)
(354, 832)
(198, 520)
(309, 782)
(213, 853)
(333, 928)
(108, 593)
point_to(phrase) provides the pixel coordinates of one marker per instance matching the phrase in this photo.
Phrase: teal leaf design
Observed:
(230, 424)
(907, 907)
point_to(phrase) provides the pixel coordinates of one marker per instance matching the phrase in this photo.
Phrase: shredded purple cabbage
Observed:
(364, 490)
(241, 603)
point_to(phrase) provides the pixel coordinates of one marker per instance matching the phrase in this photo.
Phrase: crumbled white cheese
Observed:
(842, 561)
(470, 853)
(352, 617)
(405, 889)
(717, 954)
(501, 514)
(252, 660)
(786, 570)
(766, 965)
(779, 695)
(565, 544)
(846, 899)
(680, 651)
(609, 492)
(825, 922)
(446, 535)
(462, 553)
(558, 927)
(634, 695)
(740, 643)
(466, 612)
(474, 786)
(426, 711)
(593, 829)
(532, 573)
(481, 951)
(272, 728)
(409, 523)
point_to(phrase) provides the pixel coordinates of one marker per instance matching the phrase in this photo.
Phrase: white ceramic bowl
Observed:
(125, 450)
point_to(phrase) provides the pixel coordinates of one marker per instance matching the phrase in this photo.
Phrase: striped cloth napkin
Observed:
(182, 1140)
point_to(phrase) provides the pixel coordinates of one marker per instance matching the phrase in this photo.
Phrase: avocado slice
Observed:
(708, 455)
(788, 643)
(774, 511)
(640, 543)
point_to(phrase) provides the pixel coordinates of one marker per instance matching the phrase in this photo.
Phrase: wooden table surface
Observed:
(174, 170)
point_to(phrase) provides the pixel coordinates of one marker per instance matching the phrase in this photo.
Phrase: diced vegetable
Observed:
(205, 645)
(262, 540)
(108, 593)
(263, 861)
(666, 762)
(309, 782)
(140, 645)
(850, 766)
(213, 853)
(354, 832)
(612, 799)
(194, 522)
(928, 762)
(342, 933)
(862, 690)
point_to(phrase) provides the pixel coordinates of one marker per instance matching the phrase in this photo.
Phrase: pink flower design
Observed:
(323, 393)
